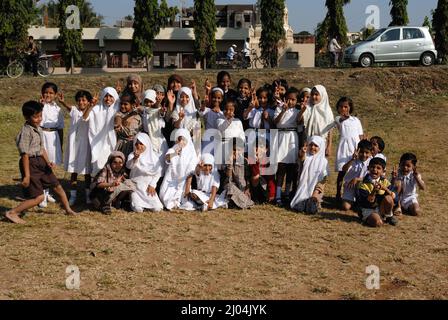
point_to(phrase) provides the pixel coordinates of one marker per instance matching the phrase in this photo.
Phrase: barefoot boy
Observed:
(35, 168)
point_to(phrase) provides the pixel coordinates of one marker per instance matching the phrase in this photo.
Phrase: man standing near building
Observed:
(335, 50)
(33, 55)
(231, 53)
(246, 52)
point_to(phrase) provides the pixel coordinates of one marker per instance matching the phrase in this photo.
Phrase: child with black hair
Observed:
(374, 196)
(244, 99)
(409, 180)
(356, 169)
(127, 124)
(279, 89)
(224, 81)
(260, 113)
(304, 96)
(286, 120)
(351, 133)
(52, 126)
(378, 148)
(35, 167)
(78, 155)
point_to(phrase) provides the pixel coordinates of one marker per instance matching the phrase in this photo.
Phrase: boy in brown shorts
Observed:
(35, 168)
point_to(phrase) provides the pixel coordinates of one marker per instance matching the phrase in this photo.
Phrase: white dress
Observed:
(145, 171)
(230, 129)
(205, 183)
(153, 123)
(288, 139)
(52, 118)
(349, 130)
(211, 124)
(178, 170)
(409, 194)
(102, 136)
(359, 170)
(77, 157)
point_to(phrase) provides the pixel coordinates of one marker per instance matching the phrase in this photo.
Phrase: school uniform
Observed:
(350, 130)
(52, 123)
(211, 118)
(78, 157)
(288, 139)
(153, 124)
(358, 170)
(319, 118)
(409, 187)
(30, 141)
(230, 129)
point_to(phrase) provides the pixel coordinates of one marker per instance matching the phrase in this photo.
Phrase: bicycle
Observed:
(45, 66)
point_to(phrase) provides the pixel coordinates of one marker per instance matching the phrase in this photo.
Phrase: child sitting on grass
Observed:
(375, 198)
(35, 167)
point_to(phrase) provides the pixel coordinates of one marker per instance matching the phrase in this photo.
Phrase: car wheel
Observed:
(366, 60)
(427, 59)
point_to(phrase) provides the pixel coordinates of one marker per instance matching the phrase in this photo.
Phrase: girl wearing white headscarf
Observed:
(188, 110)
(181, 161)
(146, 170)
(318, 117)
(313, 176)
(102, 137)
(205, 197)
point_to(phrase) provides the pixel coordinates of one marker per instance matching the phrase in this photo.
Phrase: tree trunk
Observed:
(205, 63)
(148, 68)
(72, 65)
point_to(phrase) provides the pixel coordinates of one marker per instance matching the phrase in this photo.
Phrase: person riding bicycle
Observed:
(32, 52)
(231, 53)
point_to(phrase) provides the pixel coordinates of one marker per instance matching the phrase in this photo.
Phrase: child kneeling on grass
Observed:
(313, 176)
(35, 168)
(375, 198)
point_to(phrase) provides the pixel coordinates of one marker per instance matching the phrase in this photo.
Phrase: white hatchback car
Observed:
(394, 44)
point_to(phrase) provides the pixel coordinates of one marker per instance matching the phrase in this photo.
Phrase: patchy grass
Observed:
(264, 253)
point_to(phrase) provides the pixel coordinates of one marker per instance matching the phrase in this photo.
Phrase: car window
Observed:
(392, 35)
(412, 33)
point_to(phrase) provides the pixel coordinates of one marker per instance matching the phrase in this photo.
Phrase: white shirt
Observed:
(52, 116)
(231, 53)
(289, 119)
(334, 46)
(255, 117)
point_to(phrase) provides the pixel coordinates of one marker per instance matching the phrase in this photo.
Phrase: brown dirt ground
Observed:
(264, 253)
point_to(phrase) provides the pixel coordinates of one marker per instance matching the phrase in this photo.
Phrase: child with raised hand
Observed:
(230, 128)
(102, 136)
(127, 124)
(356, 169)
(286, 120)
(110, 187)
(224, 81)
(211, 111)
(303, 102)
(312, 177)
(410, 180)
(260, 113)
(35, 167)
(154, 123)
(374, 196)
(351, 133)
(318, 117)
(52, 125)
(185, 114)
(279, 88)
(205, 197)
(181, 161)
(146, 170)
(378, 147)
(78, 155)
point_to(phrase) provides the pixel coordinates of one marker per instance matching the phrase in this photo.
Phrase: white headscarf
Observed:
(208, 159)
(102, 136)
(206, 183)
(151, 95)
(184, 164)
(149, 162)
(189, 110)
(315, 169)
(319, 118)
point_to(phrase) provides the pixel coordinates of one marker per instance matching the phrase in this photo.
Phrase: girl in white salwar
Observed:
(313, 176)
(154, 123)
(52, 126)
(77, 157)
(181, 161)
(318, 117)
(146, 171)
(205, 197)
(185, 114)
(102, 136)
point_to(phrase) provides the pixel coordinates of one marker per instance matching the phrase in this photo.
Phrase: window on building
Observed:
(292, 55)
(247, 18)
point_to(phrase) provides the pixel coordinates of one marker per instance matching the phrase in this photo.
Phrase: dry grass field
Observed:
(264, 253)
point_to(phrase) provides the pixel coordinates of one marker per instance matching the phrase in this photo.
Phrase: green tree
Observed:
(337, 26)
(273, 31)
(440, 25)
(167, 14)
(15, 18)
(146, 29)
(205, 31)
(89, 18)
(427, 23)
(399, 13)
(70, 39)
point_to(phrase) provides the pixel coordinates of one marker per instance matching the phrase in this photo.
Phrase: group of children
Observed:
(137, 150)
